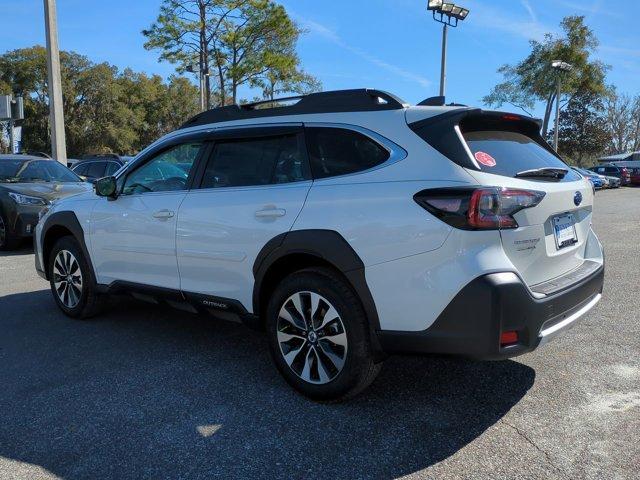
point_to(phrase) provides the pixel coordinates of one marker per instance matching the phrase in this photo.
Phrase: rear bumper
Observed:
(473, 321)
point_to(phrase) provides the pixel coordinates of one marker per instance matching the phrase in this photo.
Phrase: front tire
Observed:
(8, 241)
(319, 336)
(72, 283)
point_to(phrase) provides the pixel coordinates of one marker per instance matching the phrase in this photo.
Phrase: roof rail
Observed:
(358, 100)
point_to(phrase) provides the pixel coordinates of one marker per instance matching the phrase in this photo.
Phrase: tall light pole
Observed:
(560, 67)
(56, 113)
(449, 15)
(202, 74)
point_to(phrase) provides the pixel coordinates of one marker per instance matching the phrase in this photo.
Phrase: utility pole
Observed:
(443, 64)
(56, 113)
(556, 130)
(12, 138)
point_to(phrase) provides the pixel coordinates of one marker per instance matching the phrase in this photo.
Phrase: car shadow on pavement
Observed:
(146, 392)
(24, 249)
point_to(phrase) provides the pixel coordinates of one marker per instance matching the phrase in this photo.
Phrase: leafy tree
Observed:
(533, 79)
(185, 30)
(583, 133)
(623, 121)
(286, 78)
(105, 110)
(239, 42)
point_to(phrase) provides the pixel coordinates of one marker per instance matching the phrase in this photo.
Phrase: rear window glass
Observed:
(509, 153)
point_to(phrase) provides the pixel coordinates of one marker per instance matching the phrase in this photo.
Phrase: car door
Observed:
(133, 236)
(252, 187)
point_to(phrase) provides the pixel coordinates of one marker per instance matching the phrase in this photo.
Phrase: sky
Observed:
(392, 45)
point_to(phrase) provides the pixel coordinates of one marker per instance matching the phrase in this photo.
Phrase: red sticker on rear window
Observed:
(485, 159)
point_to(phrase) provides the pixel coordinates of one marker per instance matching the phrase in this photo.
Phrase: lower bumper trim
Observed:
(546, 334)
(472, 323)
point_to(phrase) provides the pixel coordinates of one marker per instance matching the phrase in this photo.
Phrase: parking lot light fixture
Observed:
(449, 15)
(447, 7)
(462, 14)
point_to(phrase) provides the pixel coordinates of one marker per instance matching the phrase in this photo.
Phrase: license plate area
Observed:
(564, 229)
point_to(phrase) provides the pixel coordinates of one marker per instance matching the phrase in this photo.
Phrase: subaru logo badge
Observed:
(577, 198)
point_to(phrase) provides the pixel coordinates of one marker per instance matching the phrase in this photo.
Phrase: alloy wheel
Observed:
(312, 337)
(67, 278)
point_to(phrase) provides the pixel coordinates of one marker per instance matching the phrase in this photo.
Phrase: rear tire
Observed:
(72, 282)
(8, 241)
(319, 336)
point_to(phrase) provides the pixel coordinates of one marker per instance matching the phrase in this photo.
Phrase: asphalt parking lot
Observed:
(144, 392)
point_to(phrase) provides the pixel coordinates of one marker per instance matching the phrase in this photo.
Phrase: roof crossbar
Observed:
(358, 100)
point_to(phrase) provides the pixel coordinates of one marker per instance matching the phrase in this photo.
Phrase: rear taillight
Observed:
(486, 208)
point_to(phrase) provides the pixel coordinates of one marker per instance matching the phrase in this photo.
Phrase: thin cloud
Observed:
(494, 19)
(527, 6)
(330, 35)
(595, 8)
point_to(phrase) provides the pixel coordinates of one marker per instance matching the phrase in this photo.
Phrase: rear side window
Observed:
(337, 151)
(508, 153)
(256, 161)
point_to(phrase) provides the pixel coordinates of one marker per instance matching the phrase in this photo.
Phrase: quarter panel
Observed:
(380, 221)
(411, 292)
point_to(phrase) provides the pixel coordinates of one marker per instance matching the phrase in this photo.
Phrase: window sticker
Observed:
(485, 159)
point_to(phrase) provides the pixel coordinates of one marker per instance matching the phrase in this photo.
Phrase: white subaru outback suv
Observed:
(348, 226)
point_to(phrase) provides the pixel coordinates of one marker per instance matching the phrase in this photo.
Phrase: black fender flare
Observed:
(327, 245)
(70, 222)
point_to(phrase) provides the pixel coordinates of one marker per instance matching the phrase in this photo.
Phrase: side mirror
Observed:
(106, 187)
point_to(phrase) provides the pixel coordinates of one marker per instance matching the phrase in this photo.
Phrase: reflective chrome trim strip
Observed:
(466, 147)
(548, 333)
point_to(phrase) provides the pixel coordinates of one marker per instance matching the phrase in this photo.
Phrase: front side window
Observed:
(256, 161)
(166, 172)
(337, 151)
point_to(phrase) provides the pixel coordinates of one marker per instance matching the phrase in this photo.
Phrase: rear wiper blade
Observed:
(548, 172)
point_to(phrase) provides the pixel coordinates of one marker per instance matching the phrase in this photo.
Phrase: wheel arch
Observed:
(299, 249)
(58, 225)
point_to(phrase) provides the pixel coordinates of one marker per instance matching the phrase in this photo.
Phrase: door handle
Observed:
(163, 214)
(271, 213)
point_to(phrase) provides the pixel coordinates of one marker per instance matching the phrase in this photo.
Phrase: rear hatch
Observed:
(501, 150)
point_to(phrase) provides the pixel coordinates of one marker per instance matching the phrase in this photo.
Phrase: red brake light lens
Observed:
(488, 208)
(508, 338)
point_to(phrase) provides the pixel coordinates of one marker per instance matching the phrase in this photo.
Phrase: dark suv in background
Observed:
(622, 173)
(93, 167)
(28, 185)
